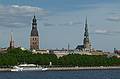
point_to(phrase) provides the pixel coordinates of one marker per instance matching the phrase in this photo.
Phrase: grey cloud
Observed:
(13, 25)
(106, 32)
(115, 18)
(16, 16)
(71, 23)
(67, 24)
(22, 10)
(101, 32)
(49, 24)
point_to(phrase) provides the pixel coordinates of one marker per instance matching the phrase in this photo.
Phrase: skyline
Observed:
(59, 25)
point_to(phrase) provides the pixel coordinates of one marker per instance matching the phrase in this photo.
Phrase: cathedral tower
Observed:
(86, 41)
(34, 37)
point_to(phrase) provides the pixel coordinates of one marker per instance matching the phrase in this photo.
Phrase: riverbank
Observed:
(5, 69)
(83, 68)
(72, 68)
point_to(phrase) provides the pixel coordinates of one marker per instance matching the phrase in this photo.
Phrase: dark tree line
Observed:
(17, 56)
(87, 60)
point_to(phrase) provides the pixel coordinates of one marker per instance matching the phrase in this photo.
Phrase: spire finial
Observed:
(34, 15)
(86, 25)
(86, 20)
(11, 36)
(34, 20)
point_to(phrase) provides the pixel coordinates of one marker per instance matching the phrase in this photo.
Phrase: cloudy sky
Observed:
(61, 22)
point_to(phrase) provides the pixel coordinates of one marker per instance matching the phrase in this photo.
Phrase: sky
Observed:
(61, 22)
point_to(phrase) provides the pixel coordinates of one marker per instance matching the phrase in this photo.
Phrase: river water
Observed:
(81, 74)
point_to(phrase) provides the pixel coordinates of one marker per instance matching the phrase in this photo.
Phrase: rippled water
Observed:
(82, 74)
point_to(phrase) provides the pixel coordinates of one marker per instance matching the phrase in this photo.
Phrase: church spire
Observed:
(86, 41)
(86, 20)
(11, 45)
(86, 34)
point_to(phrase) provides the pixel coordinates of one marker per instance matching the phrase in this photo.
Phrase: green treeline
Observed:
(87, 60)
(17, 56)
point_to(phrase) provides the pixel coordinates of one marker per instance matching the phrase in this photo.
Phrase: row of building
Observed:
(34, 38)
(86, 48)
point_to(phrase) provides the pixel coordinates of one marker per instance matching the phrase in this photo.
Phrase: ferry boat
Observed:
(28, 67)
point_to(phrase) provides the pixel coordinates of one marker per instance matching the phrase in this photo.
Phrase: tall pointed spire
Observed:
(68, 47)
(86, 34)
(11, 44)
(86, 20)
(86, 42)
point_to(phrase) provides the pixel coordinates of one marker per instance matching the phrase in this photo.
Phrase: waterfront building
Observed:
(84, 49)
(34, 37)
(41, 51)
(86, 41)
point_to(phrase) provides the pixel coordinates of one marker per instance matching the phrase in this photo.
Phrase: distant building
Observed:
(11, 43)
(34, 37)
(86, 41)
(84, 49)
(3, 50)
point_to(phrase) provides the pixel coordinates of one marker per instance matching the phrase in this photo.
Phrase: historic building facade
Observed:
(34, 37)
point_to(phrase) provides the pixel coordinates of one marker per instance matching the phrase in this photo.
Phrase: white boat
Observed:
(28, 67)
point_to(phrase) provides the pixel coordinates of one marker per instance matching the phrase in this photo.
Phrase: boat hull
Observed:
(28, 68)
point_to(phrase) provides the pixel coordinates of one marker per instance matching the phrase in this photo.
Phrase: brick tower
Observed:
(34, 37)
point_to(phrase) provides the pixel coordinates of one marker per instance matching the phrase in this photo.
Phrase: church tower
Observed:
(34, 37)
(86, 41)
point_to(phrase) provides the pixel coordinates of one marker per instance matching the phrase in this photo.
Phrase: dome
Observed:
(34, 31)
